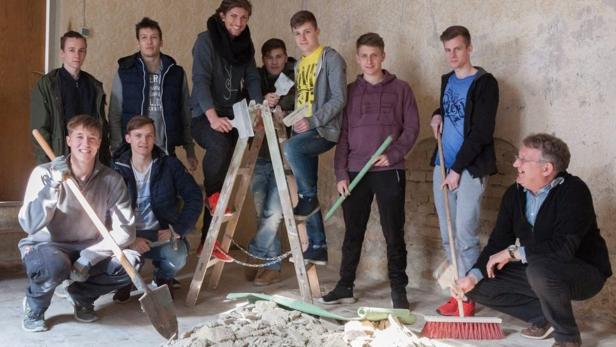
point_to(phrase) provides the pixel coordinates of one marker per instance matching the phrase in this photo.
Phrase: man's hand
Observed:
(499, 260)
(192, 164)
(381, 160)
(140, 245)
(60, 170)
(80, 270)
(343, 188)
(272, 99)
(221, 124)
(164, 235)
(301, 126)
(466, 284)
(437, 124)
(452, 180)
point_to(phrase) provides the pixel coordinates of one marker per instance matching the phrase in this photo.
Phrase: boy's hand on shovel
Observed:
(59, 170)
(343, 188)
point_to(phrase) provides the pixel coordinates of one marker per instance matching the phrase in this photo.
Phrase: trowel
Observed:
(241, 120)
(283, 84)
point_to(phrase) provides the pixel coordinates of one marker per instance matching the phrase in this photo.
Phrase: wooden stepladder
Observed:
(240, 170)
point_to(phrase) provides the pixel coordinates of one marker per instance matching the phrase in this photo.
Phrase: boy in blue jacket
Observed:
(156, 184)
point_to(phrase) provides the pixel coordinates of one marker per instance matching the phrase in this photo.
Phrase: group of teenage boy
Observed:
(150, 201)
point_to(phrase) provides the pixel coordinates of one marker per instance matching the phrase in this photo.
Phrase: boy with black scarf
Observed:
(223, 64)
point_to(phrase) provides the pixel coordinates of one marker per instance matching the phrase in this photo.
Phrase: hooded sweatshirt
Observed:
(372, 113)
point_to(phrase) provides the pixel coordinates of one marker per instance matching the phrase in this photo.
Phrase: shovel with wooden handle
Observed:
(156, 303)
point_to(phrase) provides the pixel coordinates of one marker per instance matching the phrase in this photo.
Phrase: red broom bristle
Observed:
(463, 331)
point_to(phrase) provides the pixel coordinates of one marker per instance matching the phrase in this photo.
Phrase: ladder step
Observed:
(243, 171)
(213, 261)
(228, 216)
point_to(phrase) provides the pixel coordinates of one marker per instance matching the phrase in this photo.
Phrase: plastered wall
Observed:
(553, 61)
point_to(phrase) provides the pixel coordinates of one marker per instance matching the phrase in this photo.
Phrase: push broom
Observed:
(465, 328)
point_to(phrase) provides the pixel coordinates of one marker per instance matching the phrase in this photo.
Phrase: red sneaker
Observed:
(212, 201)
(450, 308)
(221, 255)
(217, 252)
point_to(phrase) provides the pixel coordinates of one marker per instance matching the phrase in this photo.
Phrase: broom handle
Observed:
(72, 185)
(452, 241)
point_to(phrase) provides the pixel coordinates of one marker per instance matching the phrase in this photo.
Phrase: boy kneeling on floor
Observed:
(156, 185)
(63, 242)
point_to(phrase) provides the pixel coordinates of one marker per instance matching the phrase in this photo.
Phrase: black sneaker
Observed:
(340, 295)
(161, 282)
(83, 313)
(32, 322)
(398, 298)
(317, 256)
(122, 295)
(176, 284)
(306, 207)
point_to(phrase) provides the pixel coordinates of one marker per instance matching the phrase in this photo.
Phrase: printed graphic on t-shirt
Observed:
(155, 103)
(305, 79)
(454, 106)
(229, 90)
(454, 103)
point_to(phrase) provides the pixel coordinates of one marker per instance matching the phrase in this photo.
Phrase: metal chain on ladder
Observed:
(268, 261)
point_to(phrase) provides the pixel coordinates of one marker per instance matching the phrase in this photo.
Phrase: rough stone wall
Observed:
(553, 61)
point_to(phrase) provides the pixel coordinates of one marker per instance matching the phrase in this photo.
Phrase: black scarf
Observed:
(238, 50)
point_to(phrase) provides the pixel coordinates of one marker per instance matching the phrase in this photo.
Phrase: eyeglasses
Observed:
(524, 160)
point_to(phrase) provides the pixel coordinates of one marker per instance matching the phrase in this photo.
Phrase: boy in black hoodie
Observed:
(465, 118)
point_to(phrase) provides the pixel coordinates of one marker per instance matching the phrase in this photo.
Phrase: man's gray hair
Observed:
(553, 149)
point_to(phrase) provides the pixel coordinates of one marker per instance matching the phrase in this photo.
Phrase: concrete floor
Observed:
(126, 325)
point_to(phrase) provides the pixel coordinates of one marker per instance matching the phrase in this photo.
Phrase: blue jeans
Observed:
(266, 243)
(168, 262)
(47, 265)
(302, 152)
(465, 206)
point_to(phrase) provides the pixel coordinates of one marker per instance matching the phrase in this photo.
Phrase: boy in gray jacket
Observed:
(320, 80)
(62, 242)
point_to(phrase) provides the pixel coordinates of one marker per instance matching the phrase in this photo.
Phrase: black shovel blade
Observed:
(158, 306)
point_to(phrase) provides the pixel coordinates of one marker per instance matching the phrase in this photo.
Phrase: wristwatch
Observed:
(512, 249)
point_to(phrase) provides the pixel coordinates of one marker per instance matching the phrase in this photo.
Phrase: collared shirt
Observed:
(533, 204)
(534, 201)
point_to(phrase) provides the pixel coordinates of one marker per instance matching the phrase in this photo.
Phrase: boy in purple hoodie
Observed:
(379, 105)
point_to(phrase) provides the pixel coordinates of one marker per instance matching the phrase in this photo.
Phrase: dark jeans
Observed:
(541, 290)
(388, 187)
(219, 150)
(47, 266)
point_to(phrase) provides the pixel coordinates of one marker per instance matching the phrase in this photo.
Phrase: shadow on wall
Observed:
(605, 208)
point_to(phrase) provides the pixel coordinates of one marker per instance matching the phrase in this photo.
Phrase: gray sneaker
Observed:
(32, 322)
